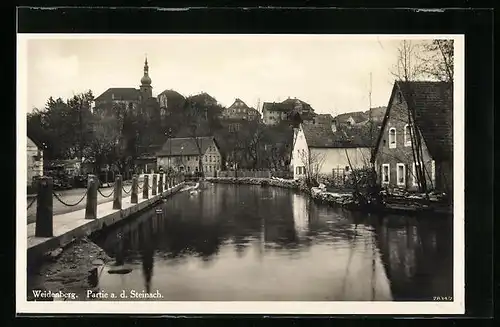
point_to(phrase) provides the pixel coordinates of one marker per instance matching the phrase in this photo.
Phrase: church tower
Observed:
(146, 89)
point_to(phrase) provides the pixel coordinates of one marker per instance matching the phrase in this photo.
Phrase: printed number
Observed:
(442, 298)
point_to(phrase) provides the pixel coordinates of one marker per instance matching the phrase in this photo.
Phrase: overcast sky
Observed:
(331, 73)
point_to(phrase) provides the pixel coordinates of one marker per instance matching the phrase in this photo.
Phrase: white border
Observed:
(293, 308)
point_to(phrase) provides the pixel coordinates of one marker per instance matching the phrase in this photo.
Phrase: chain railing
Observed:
(125, 191)
(69, 204)
(106, 196)
(32, 201)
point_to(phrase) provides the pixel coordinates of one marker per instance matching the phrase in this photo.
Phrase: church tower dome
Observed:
(146, 80)
(146, 88)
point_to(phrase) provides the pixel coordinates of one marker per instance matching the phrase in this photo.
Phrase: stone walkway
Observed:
(71, 225)
(72, 196)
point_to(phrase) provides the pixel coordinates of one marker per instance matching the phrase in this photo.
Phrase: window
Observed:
(297, 170)
(414, 174)
(400, 174)
(386, 173)
(407, 135)
(392, 138)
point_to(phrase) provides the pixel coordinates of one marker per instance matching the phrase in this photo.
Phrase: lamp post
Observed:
(168, 134)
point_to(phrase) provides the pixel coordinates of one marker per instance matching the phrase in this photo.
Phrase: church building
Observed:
(128, 96)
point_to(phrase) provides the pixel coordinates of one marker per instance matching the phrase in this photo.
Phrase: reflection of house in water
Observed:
(147, 253)
(417, 256)
(300, 214)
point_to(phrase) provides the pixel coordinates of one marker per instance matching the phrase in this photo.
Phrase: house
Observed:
(34, 160)
(414, 150)
(323, 119)
(183, 154)
(240, 111)
(169, 101)
(351, 118)
(146, 162)
(273, 113)
(328, 149)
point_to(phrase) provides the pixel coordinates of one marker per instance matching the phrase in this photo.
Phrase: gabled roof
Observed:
(432, 105)
(287, 105)
(205, 97)
(295, 101)
(322, 136)
(237, 101)
(357, 116)
(32, 143)
(186, 146)
(35, 141)
(119, 93)
(171, 93)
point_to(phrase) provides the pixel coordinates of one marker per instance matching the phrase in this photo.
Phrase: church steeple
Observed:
(146, 88)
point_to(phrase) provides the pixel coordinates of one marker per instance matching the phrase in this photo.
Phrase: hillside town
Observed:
(151, 194)
(406, 145)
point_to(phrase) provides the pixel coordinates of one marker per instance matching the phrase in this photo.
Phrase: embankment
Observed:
(316, 193)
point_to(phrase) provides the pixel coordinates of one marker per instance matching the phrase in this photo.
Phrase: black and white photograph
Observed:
(242, 173)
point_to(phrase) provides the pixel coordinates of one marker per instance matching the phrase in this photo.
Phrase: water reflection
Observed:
(252, 243)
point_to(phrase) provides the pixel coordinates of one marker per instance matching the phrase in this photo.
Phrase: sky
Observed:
(332, 73)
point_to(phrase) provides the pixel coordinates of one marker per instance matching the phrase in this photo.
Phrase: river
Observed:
(252, 243)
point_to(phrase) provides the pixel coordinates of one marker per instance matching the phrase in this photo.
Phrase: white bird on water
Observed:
(195, 189)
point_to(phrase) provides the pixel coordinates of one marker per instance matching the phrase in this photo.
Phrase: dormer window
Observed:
(392, 138)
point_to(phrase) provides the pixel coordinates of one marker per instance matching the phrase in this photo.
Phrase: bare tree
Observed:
(438, 60)
(106, 136)
(408, 66)
(313, 162)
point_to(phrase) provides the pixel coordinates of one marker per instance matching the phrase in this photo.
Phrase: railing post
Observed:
(154, 188)
(160, 184)
(135, 187)
(145, 187)
(91, 208)
(117, 200)
(44, 208)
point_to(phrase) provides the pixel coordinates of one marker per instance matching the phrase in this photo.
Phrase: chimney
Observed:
(334, 126)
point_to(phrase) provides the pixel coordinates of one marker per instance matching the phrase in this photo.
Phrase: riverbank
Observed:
(68, 271)
(342, 199)
(73, 225)
(68, 274)
(408, 204)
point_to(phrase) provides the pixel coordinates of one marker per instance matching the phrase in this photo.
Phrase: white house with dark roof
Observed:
(323, 148)
(239, 110)
(34, 160)
(275, 112)
(183, 154)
